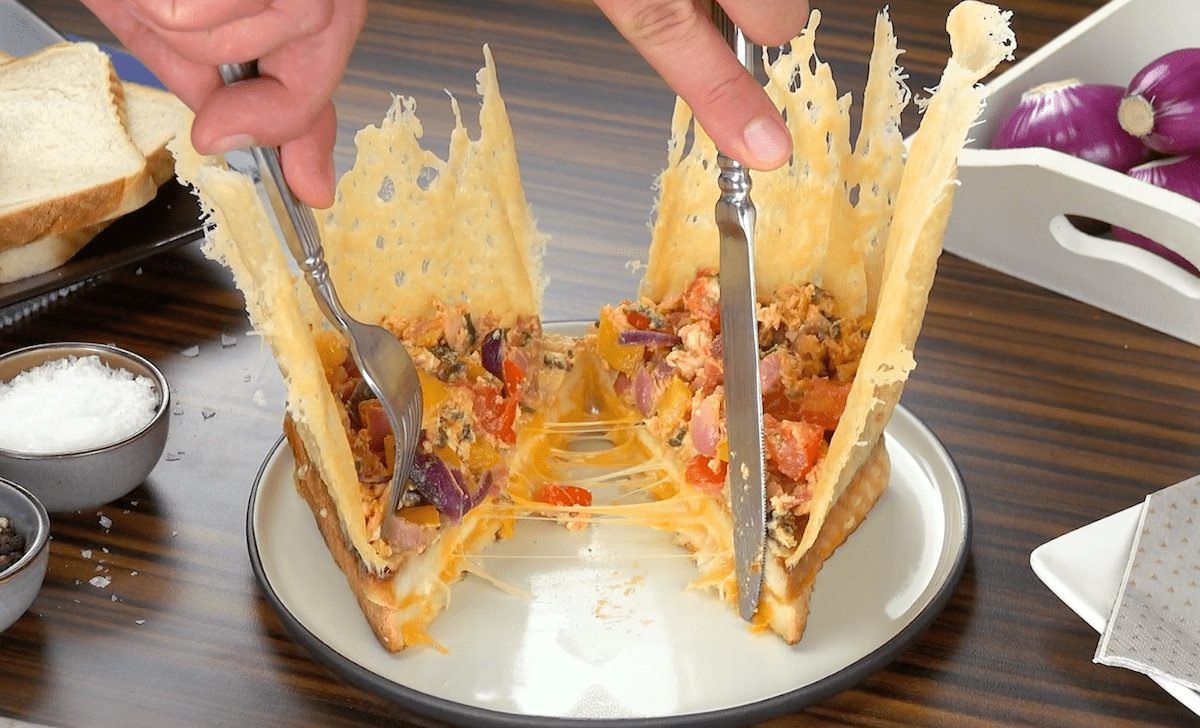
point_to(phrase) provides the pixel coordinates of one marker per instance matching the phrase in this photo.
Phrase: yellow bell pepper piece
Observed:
(622, 358)
(675, 403)
(426, 515)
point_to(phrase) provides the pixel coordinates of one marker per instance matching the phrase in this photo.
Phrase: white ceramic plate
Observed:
(610, 634)
(1084, 568)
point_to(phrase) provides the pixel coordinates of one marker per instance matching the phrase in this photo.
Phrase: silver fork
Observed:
(385, 365)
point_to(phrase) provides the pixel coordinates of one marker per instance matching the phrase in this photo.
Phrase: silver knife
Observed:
(735, 216)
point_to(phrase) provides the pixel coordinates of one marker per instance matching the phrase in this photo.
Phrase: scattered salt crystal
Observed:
(259, 398)
(139, 621)
(208, 413)
(173, 456)
(73, 404)
(100, 582)
(105, 548)
(87, 553)
(105, 522)
(191, 351)
(133, 573)
(228, 341)
(174, 534)
(113, 597)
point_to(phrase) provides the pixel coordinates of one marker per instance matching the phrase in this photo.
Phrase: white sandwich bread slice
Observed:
(153, 117)
(68, 158)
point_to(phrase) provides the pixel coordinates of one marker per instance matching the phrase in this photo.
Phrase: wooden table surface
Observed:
(1056, 413)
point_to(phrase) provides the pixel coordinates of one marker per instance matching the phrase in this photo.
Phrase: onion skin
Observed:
(1162, 103)
(1178, 174)
(1074, 118)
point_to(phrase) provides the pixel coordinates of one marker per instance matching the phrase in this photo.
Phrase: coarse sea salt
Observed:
(73, 404)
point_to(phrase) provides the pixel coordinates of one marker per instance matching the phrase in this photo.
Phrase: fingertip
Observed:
(311, 181)
(768, 144)
(308, 163)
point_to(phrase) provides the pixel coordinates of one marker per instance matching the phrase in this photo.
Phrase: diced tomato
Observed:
(563, 495)
(703, 298)
(707, 474)
(822, 404)
(494, 413)
(638, 320)
(793, 447)
(513, 376)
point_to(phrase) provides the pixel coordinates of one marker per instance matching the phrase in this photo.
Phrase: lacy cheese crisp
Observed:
(446, 254)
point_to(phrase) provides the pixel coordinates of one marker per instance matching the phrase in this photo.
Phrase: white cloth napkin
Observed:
(1154, 627)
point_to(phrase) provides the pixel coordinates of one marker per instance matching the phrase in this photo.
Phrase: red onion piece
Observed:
(492, 353)
(644, 392)
(1073, 118)
(638, 337)
(705, 426)
(445, 487)
(770, 370)
(1162, 103)
(1178, 174)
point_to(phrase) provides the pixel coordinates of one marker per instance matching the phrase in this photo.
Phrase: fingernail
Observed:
(767, 141)
(230, 143)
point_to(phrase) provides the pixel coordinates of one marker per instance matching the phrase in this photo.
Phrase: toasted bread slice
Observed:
(69, 160)
(864, 223)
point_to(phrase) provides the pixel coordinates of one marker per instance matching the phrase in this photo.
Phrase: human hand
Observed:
(682, 44)
(301, 46)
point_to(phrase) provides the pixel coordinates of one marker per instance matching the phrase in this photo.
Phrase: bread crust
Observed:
(371, 590)
(787, 592)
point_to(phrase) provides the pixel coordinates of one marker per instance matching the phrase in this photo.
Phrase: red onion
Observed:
(1162, 104)
(638, 337)
(644, 392)
(1073, 118)
(705, 426)
(770, 370)
(1178, 174)
(492, 353)
(445, 487)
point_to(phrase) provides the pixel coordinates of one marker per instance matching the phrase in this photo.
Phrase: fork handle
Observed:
(296, 221)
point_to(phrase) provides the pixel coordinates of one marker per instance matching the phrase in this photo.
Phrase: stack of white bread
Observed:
(79, 148)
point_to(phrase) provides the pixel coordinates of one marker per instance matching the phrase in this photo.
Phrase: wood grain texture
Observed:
(1057, 413)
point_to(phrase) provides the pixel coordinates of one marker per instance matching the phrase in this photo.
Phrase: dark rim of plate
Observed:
(742, 715)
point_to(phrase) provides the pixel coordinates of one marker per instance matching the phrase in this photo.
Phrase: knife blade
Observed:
(735, 217)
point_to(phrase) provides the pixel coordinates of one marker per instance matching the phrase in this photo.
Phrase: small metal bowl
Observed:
(88, 478)
(20, 582)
